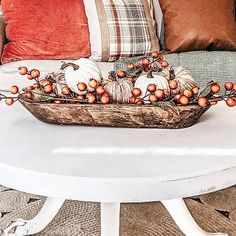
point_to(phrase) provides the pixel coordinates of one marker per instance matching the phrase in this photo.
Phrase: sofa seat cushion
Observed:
(9, 74)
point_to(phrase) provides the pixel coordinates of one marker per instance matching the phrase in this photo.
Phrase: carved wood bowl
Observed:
(115, 115)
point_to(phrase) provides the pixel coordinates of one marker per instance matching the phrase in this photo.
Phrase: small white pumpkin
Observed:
(182, 76)
(144, 80)
(120, 90)
(81, 70)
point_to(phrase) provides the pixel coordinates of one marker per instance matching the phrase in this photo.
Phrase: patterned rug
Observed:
(214, 212)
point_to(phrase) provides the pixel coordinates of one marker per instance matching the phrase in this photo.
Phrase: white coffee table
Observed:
(114, 166)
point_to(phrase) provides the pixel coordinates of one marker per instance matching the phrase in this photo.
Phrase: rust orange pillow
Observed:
(45, 29)
(199, 25)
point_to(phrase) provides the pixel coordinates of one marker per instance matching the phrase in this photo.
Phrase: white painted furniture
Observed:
(114, 166)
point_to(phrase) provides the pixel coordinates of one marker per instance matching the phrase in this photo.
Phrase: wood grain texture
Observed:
(116, 115)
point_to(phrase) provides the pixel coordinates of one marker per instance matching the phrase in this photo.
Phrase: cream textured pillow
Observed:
(120, 28)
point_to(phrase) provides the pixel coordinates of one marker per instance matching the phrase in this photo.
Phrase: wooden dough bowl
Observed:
(115, 115)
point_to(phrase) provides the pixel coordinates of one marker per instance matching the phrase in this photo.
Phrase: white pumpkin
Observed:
(81, 70)
(182, 76)
(143, 81)
(120, 90)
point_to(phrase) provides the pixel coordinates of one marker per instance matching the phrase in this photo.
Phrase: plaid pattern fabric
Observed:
(129, 29)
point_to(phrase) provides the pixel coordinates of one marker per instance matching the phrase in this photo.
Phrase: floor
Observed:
(214, 212)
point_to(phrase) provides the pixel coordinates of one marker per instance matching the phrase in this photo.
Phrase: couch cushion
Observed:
(10, 75)
(43, 29)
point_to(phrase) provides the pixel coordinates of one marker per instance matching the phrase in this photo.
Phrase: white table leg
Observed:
(110, 219)
(45, 216)
(182, 217)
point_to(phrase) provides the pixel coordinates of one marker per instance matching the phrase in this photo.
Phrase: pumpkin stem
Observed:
(149, 74)
(65, 65)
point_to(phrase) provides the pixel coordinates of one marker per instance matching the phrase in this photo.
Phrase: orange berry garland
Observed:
(95, 91)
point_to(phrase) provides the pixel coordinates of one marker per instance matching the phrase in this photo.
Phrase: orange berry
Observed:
(195, 90)
(229, 86)
(48, 88)
(184, 100)
(121, 74)
(145, 62)
(202, 101)
(166, 92)
(136, 92)
(177, 97)
(66, 90)
(164, 64)
(91, 98)
(188, 93)
(9, 101)
(138, 101)
(130, 66)
(151, 88)
(159, 93)
(82, 86)
(215, 88)
(46, 82)
(14, 89)
(105, 99)
(23, 70)
(100, 90)
(153, 98)
(93, 83)
(231, 102)
(155, 54)
(173, 84)
(35, 73)
(234, 88)
(29, 77)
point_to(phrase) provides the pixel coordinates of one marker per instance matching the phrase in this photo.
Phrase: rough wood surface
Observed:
(115, 115)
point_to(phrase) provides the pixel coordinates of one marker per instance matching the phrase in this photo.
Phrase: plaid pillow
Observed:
(120, 28)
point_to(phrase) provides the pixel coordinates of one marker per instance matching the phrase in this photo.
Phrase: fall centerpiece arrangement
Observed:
(150, 94)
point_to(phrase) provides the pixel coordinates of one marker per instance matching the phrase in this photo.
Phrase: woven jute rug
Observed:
(214, 212)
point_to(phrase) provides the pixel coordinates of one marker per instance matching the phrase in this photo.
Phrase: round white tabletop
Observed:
(117, 165)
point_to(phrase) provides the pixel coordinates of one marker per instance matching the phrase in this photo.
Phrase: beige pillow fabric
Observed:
(120, 28)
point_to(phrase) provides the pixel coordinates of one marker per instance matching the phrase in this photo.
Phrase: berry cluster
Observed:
(99, 94)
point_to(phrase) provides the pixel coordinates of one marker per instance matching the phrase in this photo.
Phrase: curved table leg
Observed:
(110, 219)
(45, 216)
(182, 217)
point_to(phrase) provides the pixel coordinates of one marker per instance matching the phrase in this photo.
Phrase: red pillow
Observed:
(45, 29)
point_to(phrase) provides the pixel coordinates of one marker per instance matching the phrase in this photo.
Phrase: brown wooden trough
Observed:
(115, 115)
